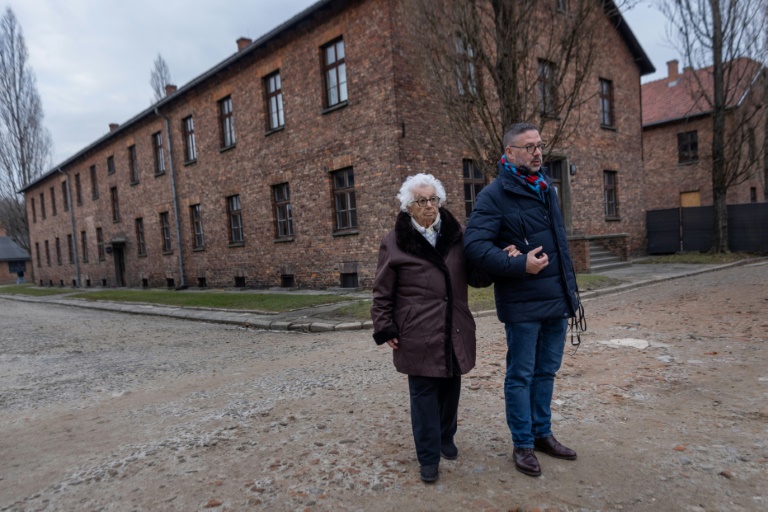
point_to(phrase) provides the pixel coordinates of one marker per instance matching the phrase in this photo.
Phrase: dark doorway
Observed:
(118, 251)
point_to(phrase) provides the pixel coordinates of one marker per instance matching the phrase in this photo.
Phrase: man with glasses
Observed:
(535, 293)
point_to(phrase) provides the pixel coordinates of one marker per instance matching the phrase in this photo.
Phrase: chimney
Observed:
(243, 43)
(672, 73)
(170, 89)
(113, 126)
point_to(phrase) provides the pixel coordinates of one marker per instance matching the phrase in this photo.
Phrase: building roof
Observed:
(298, 22)
(679, 96)
(10, 250)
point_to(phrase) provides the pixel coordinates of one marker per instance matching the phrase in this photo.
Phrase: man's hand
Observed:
(536, 260)
(393, 343)
(512, 251)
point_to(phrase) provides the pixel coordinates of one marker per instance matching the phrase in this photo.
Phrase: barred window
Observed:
(474, 181)
(687, 147)
(610, 186)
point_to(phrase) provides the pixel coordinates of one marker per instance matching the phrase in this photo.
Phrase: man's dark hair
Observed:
(515, 130)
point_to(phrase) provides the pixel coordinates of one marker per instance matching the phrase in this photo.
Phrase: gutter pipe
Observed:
(72, 223)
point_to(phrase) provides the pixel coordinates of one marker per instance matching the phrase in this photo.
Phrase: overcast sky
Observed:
(93, 58)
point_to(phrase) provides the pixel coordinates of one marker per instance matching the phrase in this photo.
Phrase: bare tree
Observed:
(159, 78)
(498, 62)
(25, 144)
(727, 38)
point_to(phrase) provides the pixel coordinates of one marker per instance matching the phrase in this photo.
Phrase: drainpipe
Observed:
(72, 223)
(182, 283)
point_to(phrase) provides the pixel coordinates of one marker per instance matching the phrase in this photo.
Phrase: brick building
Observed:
(279, 166)
(677, 137)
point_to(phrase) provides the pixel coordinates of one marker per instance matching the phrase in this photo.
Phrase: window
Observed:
(188, 129)
(283, 216)
(42, 205)
(344, 199)
(58, 251)
(349, 280)
(53, 201)
(335, 71)
(687, 147)
(606, 103)
(165, 232)
(466, 75)
(227, 123)
(37, 251)
(474, 181)
(752, 194)
(562, 5)
(65, 196)
(110, 164)
(235, 215)
(115, 204)
(100, 244)
(141, 246)
(133, 165)
(78, 190)
(273, 86)
(94, 184)
(610, 194)
(546, 88)
(752, 145)
(70, 249)
(84, 245)
(157, 146)
(196, 216)
(555, 173)
(34, 211)
(48, 252)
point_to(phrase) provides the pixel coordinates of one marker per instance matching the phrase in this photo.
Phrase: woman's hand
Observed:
(512, 251)
(393, 343)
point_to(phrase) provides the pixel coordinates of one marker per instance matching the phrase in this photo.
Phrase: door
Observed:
(118, 251)
(690, 199)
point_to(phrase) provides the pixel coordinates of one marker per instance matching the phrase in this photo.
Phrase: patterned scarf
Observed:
(534, 181)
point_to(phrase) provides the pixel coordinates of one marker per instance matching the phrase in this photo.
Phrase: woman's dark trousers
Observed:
(434, 410)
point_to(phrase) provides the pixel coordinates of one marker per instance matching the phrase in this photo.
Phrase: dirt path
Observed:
(666, 403)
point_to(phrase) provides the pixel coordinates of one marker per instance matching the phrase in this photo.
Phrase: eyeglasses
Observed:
(423, 201)
(531, 148)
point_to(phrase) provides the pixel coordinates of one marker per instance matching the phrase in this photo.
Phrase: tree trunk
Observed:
(719, 182)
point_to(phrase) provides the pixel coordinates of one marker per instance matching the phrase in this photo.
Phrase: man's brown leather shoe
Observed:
(553, 448)
(526, 461)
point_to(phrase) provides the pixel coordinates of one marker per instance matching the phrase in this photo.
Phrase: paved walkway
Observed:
(633, 276)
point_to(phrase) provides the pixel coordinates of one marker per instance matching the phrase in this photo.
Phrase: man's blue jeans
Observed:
(534, 354)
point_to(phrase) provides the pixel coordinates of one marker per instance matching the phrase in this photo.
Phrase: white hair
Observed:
(419, 180)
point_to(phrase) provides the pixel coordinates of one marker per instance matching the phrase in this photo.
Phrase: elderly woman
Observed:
(420, 310)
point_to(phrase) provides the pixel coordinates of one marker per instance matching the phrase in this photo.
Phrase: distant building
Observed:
(280, 165)
(12, 259)
(677, 137)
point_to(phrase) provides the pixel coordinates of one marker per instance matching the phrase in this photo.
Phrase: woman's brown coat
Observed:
(420, 298)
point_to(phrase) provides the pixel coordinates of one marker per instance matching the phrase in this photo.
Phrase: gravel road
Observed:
(666, 403)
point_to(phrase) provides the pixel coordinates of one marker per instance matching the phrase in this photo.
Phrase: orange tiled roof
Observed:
(665, 101)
